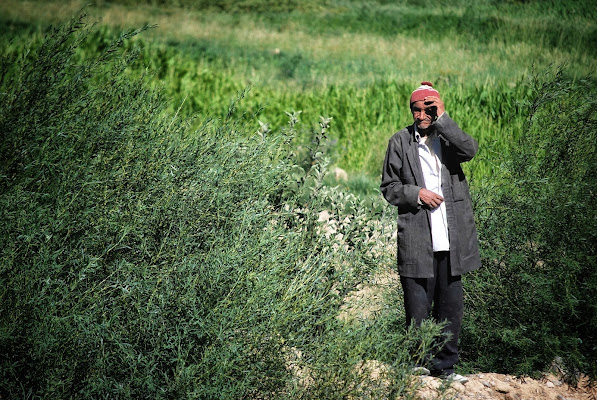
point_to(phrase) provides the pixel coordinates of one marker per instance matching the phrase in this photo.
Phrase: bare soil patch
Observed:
(491, 386)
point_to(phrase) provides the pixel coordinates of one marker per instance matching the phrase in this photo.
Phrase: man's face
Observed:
(423, 115)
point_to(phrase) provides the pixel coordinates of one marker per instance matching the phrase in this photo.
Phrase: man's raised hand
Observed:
(435, 105)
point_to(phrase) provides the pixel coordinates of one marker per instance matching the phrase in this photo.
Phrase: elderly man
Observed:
(437, 238)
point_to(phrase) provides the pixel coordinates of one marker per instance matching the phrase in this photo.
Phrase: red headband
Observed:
(423, 91)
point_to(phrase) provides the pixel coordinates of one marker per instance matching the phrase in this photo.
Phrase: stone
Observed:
(503, 388)
(340, 174)
(324, 216)
(475, 386)
(457, 386)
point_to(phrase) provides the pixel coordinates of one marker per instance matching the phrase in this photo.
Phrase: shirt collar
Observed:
(418, 136)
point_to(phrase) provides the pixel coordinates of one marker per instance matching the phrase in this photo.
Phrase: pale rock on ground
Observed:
(340, 174)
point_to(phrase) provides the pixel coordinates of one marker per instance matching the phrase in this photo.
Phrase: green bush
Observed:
(535, 300)
(140, 258)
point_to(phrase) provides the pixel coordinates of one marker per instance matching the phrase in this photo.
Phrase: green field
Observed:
(356, 62)
(165, 165)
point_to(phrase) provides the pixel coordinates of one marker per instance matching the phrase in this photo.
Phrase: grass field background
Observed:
(354, 61)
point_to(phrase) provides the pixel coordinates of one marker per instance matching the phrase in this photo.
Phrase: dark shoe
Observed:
(441, 373)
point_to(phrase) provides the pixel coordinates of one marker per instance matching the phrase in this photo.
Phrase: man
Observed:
(437, 238)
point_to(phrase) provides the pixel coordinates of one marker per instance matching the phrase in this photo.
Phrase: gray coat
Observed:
(402, 179)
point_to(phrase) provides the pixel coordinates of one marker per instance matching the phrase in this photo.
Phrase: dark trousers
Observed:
(440, 297)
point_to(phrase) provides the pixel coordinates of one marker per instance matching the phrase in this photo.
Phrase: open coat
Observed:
(402, 178)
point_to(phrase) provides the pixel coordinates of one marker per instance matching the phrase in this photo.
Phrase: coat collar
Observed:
(413, 157)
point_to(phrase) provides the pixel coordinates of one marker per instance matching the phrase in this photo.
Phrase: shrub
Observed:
(535, 300)
(142, 259)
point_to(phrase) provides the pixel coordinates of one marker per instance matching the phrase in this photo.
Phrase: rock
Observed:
(430, 382)
(503, 388)
(340, 174)
(474, 386)
(324, 216)
(459, 387)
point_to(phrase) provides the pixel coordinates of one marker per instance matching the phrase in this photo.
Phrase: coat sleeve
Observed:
(398, 183)
(464, 146)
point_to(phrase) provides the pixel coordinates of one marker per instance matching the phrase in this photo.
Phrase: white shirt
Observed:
(430, 156)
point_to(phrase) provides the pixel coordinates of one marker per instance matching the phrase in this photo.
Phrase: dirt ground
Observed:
(492, 386)
(367, 299)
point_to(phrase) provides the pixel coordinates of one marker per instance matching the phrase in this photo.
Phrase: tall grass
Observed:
(356, 62)
(467, 39)
(365, 116)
